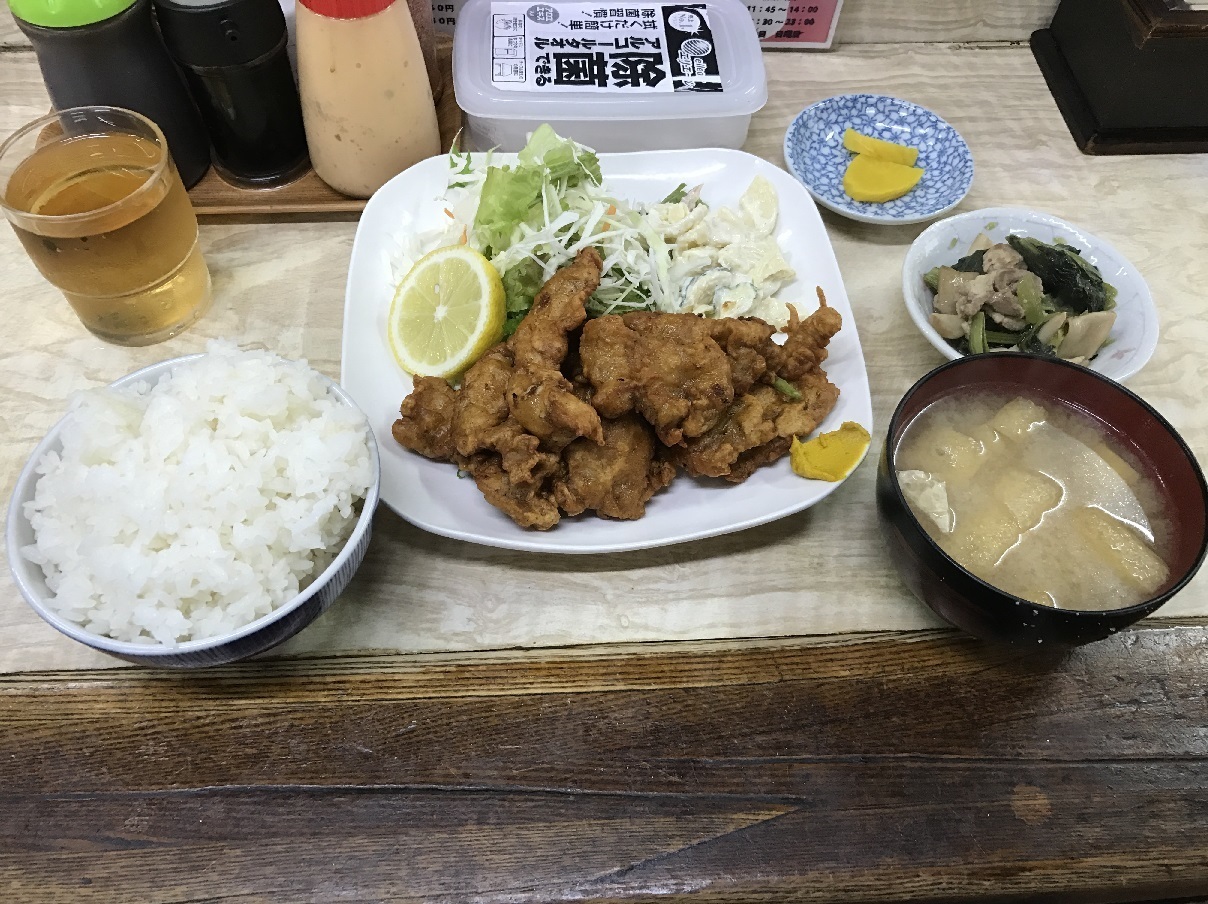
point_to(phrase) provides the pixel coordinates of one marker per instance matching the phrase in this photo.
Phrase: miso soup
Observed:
(1038, 499)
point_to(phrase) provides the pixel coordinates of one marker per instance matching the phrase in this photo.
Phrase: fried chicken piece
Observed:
(747, 342)
(515, 411)
(758, 428)
(539, 397)
(559, 309)
(426, 419)
(806, 346)
(482, 415)
(615, 479)
(667, 367)
(525, 498)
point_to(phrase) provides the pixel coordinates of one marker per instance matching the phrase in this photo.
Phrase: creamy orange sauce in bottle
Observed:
(366, 100)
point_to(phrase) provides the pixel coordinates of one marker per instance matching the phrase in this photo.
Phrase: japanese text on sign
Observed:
(584, 47)
(795, 23)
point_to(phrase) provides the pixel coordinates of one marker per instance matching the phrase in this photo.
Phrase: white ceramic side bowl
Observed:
(264, 633)
(1133, 338)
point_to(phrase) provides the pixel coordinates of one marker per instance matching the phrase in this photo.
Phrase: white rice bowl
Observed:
(187, 509)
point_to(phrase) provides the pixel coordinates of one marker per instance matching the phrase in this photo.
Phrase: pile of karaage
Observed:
(570, 415)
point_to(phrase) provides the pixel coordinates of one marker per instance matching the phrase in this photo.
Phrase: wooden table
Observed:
(656, 741)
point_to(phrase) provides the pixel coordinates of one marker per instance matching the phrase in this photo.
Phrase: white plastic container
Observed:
(658, 75)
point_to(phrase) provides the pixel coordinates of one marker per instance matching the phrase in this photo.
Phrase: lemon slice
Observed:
(448, 310)
(830, 456)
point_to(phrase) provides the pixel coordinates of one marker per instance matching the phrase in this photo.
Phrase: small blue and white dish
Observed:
(814, 152)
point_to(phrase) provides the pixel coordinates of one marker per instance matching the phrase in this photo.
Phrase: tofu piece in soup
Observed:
(1121, 547)
(946, 454)
(1029, 495)
(983, 536)
(1014, 419)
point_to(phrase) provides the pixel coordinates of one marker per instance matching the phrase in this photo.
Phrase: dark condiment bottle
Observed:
(233, 53)
(107, 52)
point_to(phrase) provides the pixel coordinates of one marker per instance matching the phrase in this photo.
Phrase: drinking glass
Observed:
(96, 200)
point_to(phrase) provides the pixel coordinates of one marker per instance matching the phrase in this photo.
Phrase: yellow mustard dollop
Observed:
(830, 456)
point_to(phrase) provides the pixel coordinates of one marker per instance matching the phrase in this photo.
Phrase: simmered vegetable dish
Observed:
(1023, 295)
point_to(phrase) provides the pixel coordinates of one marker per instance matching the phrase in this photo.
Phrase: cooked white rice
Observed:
(190, 508)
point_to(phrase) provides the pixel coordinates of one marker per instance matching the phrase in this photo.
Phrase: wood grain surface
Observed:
(927, 770)
(823, 571)
(669, 725)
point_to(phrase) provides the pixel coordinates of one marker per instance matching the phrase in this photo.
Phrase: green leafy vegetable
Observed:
(513, 195)
(521, 283)
(1030, 294)
(786, 389)
(932, 279)
(977, 334)
(680, 192)
(1001, 337)
(560, 158)
(970, 263)
(1067, 276)
(1033, 344)
(507, 197)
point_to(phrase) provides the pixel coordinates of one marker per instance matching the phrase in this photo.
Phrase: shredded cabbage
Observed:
(531, 218)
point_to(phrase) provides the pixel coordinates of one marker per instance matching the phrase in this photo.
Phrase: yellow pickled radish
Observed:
(830, 456)
(870, 179)
(891, 152)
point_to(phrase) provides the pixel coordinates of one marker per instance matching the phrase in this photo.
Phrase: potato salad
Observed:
(724, 262)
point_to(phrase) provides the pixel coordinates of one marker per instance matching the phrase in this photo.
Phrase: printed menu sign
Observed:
(795, 23)
(654, 47)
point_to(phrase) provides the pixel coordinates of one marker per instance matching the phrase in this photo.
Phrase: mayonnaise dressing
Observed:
(366, 101)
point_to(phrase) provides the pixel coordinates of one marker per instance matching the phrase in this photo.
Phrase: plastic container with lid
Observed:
(638, 77)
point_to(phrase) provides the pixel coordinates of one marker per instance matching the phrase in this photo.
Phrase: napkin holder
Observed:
(1129, 75)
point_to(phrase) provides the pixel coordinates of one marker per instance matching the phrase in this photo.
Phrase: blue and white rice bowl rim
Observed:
(814, 153)
(256, 637)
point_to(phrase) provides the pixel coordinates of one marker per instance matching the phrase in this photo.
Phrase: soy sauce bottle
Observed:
(107, 52)
(233, 54)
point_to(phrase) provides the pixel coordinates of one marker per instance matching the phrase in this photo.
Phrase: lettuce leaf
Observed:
(561, 158)
(512, 195)
(521, 283)
(507, 197)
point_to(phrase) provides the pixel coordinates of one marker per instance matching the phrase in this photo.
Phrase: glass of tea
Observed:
(94, 197)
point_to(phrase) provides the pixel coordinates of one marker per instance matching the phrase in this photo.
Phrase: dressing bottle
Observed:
(233, 54)
(366, 100)
(107, 53)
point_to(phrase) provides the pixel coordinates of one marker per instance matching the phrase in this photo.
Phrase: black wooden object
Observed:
(1128, 75)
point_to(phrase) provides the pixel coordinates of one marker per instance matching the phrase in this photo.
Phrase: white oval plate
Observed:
(1135, 334)
(430, 495)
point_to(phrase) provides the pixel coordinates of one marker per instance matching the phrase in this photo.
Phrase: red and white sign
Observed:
(798, 24)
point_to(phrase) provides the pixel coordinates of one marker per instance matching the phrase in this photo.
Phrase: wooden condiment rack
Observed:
(309, 197)
(1128, 75)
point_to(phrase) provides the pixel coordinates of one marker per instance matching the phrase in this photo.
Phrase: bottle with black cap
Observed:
(106, 53)
(233, 53)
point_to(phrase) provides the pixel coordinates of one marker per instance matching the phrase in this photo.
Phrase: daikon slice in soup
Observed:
(1038, 499)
